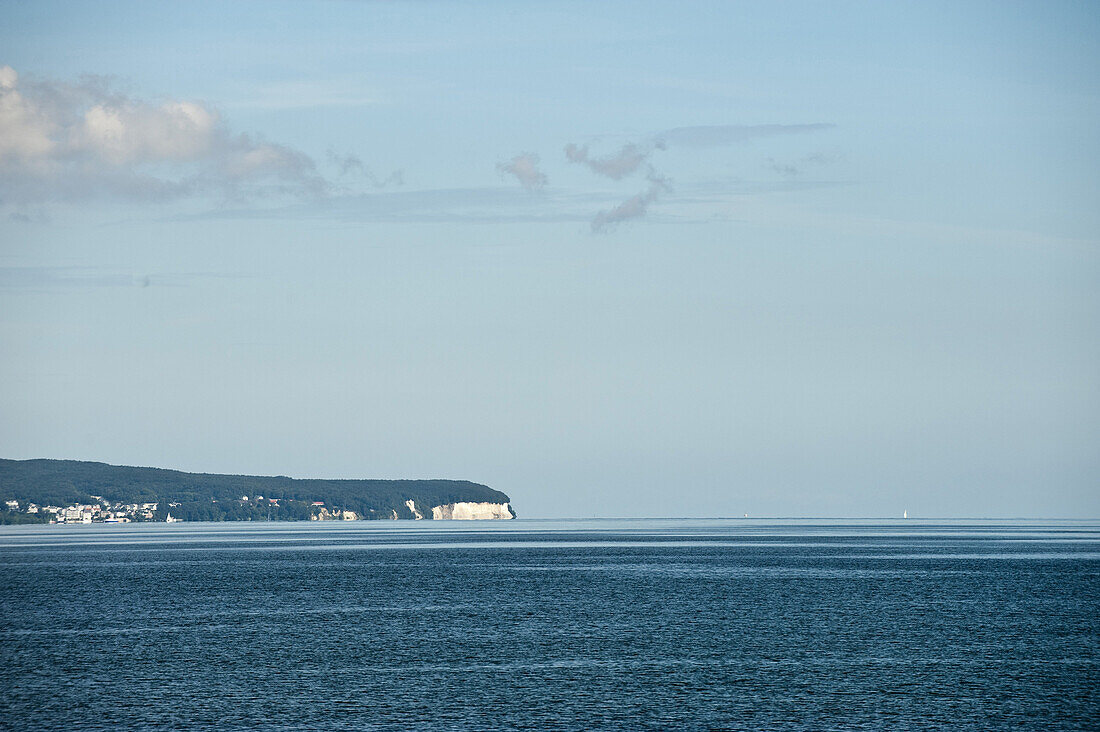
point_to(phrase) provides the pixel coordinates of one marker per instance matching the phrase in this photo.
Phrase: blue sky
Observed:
(615, 259)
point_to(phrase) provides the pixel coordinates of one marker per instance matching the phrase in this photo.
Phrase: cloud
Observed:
(349, 164)
(498, 204)
(616, 166)
(632, 156)
(797, 167)
(697, 201)
(29, 217)
(72, 142)
(633, 207)
(525, 167)
(788, 169)
(718, 135)
(395, 178)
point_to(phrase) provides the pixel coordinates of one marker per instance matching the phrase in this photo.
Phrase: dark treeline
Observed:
(210, 497)
(14, 517)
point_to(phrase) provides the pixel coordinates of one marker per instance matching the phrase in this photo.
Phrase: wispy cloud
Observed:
(693, 202)
(797, 167)
(349, 165)
(67, 142)
(632, 156)
(525, 168)
(718, 135)
(616, 166)
(441, 205)
(29, 217)
(633, 207)
(788, 169)
(346, 163)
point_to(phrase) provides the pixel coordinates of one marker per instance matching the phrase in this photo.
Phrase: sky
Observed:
(612, 258)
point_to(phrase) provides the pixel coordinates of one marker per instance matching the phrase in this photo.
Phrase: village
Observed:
(102, 511)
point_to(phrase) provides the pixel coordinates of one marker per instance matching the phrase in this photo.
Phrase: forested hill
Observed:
(209, 497)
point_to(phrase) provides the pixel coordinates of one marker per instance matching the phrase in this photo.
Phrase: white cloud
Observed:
(61, 141)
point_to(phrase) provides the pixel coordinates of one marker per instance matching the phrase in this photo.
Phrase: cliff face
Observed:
(469, 511)
(412, 507)
(335, 515)
(462, 511)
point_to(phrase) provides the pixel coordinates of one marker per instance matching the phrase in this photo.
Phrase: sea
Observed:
(725, 624)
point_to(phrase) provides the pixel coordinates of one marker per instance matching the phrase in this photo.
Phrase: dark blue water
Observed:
(561, 625)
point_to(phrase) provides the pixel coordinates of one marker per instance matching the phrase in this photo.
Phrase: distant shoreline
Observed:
(70, 491)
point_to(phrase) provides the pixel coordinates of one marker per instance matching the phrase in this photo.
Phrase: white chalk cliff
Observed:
(469, 511)
(412, 507)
